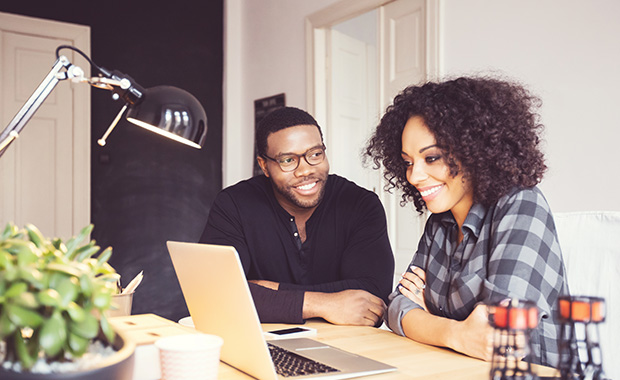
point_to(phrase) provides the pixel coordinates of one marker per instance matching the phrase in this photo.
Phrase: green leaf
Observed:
(6, 326)
(102, 298)
(23, 353)
(86, 284)
(55, 278)
(9, 231)
(36, 236)
(74, 242)
(77, 344)
(59, 245)
(81, 249)
(26, 251)
(87, 252)
(53, 334)
(76, 313)
(49, 297)
(23, 317)
(11, 274)
(88, 328)
(107, 329)
(33, 276)
(16, 289)
(64, 268)
(68, 289)
(105, 269)
(6, 259)
(109, 277)
(27, 299)
(104, 256)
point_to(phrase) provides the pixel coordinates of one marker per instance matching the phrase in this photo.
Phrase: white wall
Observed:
(264, 56)
(568, 53)
(565, 51)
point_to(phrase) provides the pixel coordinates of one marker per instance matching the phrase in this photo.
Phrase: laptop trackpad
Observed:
(324, 353)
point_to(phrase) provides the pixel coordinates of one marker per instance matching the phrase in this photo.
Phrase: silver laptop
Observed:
(220, 303)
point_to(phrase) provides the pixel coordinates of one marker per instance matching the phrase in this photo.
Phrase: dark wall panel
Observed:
(147, 189)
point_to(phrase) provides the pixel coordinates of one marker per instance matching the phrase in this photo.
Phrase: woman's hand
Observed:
(474, 336)
(412, 286)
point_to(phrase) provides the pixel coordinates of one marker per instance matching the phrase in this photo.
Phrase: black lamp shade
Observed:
(171, 112)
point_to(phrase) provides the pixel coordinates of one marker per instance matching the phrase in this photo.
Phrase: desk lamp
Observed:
(166, 110)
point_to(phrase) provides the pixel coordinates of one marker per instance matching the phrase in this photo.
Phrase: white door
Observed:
(403, 62)
(353, 106)
(45, 173)
(406, 41)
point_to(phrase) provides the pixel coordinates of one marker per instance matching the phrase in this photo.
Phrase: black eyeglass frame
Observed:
(298, 157)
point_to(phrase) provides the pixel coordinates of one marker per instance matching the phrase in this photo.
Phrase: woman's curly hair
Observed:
(487, 128)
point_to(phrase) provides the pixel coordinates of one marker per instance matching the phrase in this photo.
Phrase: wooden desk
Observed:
(414, 360)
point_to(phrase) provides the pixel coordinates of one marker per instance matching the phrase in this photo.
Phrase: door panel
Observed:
(403, 30)
(403, 57)
(352, 93)
(45, 173)
(43, 169)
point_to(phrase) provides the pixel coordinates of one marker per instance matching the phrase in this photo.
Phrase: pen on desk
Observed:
(133, 284)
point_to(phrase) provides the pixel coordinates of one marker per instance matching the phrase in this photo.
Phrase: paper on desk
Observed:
(133, 284)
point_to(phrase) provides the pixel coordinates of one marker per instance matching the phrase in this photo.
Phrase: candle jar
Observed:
(580, 350)
(513, 321)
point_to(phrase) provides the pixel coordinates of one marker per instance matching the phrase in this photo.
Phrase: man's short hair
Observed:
(278, 119)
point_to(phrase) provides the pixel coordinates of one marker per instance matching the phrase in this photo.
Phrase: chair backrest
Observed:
(590, 242)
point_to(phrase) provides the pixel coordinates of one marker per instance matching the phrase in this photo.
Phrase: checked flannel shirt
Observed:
(509, 250)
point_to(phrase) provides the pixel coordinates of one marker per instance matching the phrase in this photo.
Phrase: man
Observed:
(311, 244)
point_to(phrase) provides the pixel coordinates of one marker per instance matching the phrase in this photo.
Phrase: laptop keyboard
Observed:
(289, 364)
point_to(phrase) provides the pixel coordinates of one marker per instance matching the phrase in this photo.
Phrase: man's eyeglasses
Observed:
(290, 162)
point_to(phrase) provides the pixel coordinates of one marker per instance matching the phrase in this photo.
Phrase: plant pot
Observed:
(119, 366)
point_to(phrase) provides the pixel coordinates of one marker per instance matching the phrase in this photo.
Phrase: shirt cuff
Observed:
(398, 307)
(278, 306)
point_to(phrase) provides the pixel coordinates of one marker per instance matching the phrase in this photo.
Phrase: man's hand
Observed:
(347, 307)
(266, 283)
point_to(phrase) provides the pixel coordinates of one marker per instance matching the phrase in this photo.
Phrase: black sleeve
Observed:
(277, 306)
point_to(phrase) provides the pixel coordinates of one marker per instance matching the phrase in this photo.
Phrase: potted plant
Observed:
(53, 296)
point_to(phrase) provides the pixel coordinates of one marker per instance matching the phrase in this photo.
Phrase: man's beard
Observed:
(289, 194)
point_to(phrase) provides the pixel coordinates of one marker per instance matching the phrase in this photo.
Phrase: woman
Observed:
(468, 151)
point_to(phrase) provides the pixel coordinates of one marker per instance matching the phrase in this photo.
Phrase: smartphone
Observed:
(292, 332)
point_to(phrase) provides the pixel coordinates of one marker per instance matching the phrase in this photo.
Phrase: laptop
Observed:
(219, 301)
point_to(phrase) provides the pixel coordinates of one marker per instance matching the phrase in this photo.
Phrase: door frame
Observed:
(80, 37)
(317, 25)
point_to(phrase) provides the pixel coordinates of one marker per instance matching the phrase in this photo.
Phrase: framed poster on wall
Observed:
(261, 108)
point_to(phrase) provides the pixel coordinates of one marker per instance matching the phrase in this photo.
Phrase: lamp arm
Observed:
(122, 86)
(31, 106)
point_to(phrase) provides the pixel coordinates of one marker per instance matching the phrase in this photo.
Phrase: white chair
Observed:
(590, 243)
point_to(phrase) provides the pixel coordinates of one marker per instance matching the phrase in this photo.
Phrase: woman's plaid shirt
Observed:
(509, 250)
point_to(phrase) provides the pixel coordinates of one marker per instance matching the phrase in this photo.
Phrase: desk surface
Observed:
(413, 360)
